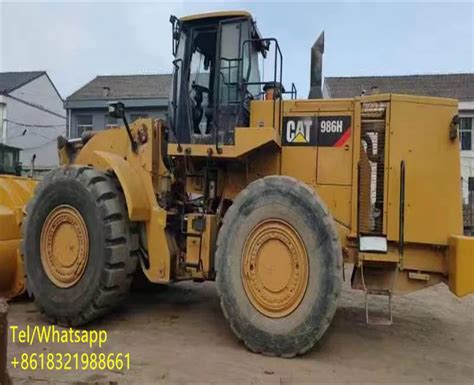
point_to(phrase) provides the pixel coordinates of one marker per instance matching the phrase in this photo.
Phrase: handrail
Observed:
(278, 54)
(401, 220)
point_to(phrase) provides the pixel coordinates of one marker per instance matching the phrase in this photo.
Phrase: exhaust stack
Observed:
(317, 51)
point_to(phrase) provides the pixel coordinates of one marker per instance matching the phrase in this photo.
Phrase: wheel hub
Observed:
(64, 246)
(275, 268)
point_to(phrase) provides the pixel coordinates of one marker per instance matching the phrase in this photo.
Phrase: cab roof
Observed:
(220, 14)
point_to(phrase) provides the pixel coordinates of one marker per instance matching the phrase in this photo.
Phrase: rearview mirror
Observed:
(117, 110)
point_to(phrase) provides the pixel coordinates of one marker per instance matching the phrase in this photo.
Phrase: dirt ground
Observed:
(179, 336)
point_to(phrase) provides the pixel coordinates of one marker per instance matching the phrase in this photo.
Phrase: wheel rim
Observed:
(64, 246)
(275, 268)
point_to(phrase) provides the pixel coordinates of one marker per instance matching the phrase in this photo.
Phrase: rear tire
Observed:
(264, 301)
(105, 277)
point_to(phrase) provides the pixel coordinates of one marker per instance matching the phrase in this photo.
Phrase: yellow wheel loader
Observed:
(249, 186)
(15, 192)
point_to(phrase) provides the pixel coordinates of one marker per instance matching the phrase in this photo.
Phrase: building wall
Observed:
(326, 92)
(41, 91)
(99, 116)
(466, 109)
(34, 118)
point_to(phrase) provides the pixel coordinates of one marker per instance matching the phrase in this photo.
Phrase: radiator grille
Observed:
(372, 169)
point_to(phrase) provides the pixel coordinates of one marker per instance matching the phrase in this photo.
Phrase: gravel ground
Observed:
(178, 335)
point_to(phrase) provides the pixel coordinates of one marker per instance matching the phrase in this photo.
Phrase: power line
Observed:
(25, 133)
(30, 129)
(38, 146)
(34, 125)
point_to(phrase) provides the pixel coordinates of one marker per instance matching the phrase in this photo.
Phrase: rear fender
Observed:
(461, 265)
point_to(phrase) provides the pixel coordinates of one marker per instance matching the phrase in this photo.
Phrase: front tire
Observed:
(80, 254)
(279, 267)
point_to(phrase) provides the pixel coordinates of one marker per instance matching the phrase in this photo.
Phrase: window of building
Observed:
(471, 183)
(134, 117)
(83, 123)
(110, 122)
(8, 159)
(465, 132)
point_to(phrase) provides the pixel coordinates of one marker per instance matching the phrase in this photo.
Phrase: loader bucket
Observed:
(15, 193)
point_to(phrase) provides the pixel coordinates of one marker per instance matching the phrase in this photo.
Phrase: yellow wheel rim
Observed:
(275, 268)
(64, 246)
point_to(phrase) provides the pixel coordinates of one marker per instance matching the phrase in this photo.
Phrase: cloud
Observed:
(75, 42)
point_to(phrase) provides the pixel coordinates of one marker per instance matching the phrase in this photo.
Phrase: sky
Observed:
(74, 42)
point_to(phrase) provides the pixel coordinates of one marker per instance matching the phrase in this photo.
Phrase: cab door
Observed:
(232, 34)
(335, 146)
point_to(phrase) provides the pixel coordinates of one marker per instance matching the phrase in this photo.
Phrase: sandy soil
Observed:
(179, 336)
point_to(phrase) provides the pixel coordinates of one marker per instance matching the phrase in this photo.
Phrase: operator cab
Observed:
(215, 76)
(10, 160)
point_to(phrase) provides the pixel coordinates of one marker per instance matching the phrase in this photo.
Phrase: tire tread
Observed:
(115, 280)
(269, 182)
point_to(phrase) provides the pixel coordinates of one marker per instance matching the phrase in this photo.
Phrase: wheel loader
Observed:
(15, 192)
(246, 185)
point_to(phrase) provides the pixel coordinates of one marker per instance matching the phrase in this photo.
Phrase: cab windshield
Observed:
(215, 76)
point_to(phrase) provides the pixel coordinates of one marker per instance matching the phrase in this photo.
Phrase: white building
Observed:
(31, 117)
(457, 86)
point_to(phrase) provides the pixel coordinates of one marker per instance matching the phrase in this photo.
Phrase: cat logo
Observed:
(321, 131)
(299, 131)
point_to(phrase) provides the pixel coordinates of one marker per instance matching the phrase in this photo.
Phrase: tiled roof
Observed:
(124, 87)
(10, 81)
(457, 86)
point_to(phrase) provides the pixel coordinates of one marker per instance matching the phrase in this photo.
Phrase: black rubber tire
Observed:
(294, 202)
(112, 246)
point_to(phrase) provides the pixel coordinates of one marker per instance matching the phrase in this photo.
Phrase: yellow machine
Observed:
(15, 191)
(244, 184)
